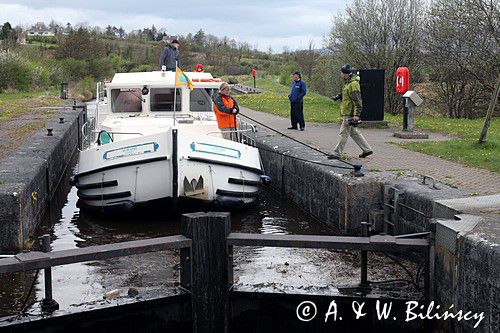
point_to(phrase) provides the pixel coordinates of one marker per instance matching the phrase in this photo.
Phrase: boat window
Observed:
(200, 100)
(162, 99)
(126, 100)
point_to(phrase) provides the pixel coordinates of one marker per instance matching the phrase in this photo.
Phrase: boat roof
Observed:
(168, 78)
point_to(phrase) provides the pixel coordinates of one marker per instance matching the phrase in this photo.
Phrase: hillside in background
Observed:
(452, 56)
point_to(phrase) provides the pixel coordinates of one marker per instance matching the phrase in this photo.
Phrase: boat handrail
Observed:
(248, 133)
(248, 138)
(230, 131)
(124, 133)
(87, 133)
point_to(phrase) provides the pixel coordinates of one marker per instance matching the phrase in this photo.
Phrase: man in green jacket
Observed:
(350, 110)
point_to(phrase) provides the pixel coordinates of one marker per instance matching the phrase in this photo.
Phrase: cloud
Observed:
(263, 23)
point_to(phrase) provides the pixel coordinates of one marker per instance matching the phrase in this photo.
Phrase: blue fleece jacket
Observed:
(298, 91)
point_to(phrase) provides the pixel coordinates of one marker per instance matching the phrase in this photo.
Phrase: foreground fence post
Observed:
(208, 277)
(365, 228)
(48, 303)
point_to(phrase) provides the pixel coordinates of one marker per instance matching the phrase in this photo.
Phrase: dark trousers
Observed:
(297, 114)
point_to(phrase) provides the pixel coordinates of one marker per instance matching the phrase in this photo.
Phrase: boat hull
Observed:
(175, 165)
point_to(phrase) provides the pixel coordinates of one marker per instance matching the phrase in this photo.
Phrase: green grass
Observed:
(321, 109)
(17, 103)
(317, 108)
(468, 152)
(27, 94)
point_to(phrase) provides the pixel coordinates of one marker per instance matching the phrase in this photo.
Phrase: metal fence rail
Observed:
(373, 243)
(39, 260)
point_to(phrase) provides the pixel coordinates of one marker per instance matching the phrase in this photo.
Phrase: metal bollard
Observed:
(48, 303)
(365, 228)
(64, 91)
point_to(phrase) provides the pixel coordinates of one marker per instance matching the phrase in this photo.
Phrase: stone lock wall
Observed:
(30, 175)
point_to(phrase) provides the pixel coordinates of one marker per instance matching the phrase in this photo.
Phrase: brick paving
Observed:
(388, 156)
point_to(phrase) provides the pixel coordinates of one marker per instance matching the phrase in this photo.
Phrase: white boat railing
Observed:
(248, 133)
(244, 134)
(87, 134)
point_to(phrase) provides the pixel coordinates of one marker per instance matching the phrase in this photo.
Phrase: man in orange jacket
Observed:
(226, 108)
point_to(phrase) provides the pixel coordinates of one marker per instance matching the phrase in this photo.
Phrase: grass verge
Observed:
(274, 100)
(16, 104)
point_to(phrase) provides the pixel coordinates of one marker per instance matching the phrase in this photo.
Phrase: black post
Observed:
(209, 276)
(405, 116)
(64, 91)
(365, 227)
(175, 166)
(254, 83)
(48, 303)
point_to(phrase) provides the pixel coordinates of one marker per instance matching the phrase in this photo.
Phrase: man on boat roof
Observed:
(226, 108)
(171, 56)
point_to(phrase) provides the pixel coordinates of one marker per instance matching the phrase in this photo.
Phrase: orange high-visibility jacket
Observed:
(223, 107)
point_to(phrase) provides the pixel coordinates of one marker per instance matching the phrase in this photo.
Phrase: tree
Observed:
(109, 31)
(8, 35)
(243, 48)
(80, 44)
(462, 53)
(121, 32)
(306, 59)
(199, 38)
(384, 34)
(55, 27)
(6, 28)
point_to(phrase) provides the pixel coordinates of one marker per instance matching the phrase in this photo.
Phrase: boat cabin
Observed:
(151, 94)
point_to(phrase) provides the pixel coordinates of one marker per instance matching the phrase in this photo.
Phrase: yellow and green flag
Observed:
(181, 79)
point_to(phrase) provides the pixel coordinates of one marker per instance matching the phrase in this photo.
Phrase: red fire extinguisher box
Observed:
(402, 80)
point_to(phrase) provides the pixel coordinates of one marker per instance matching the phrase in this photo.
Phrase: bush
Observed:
(121, 65)
(84, 90)
(286, 74)
(40, 77)
(74, 69)
(42, 39)
(100, 68)
(18, 73)
(142, 68)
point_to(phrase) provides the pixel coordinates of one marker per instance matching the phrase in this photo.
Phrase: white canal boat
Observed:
(138, 150)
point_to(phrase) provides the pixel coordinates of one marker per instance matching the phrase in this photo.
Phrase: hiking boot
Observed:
(365, 154)
(302, 128)
(292, 128)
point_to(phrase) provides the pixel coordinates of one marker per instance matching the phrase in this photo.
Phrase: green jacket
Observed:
(351, 98)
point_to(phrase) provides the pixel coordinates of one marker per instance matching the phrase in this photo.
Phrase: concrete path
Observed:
(388, 156)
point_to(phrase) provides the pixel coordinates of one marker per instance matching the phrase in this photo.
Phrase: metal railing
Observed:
(244, 134)
(45, 259)
(88, 134)
(247, 133)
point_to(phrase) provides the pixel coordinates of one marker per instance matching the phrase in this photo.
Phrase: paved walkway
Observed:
(387, 156)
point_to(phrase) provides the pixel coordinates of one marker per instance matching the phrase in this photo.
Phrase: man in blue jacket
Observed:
(296, 103)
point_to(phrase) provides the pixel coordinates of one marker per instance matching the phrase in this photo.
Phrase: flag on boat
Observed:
(181, 79)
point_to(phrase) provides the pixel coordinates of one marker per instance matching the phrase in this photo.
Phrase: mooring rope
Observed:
(300, 142)
(303, 159)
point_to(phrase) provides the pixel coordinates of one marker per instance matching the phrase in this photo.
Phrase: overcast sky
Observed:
(262, 23)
